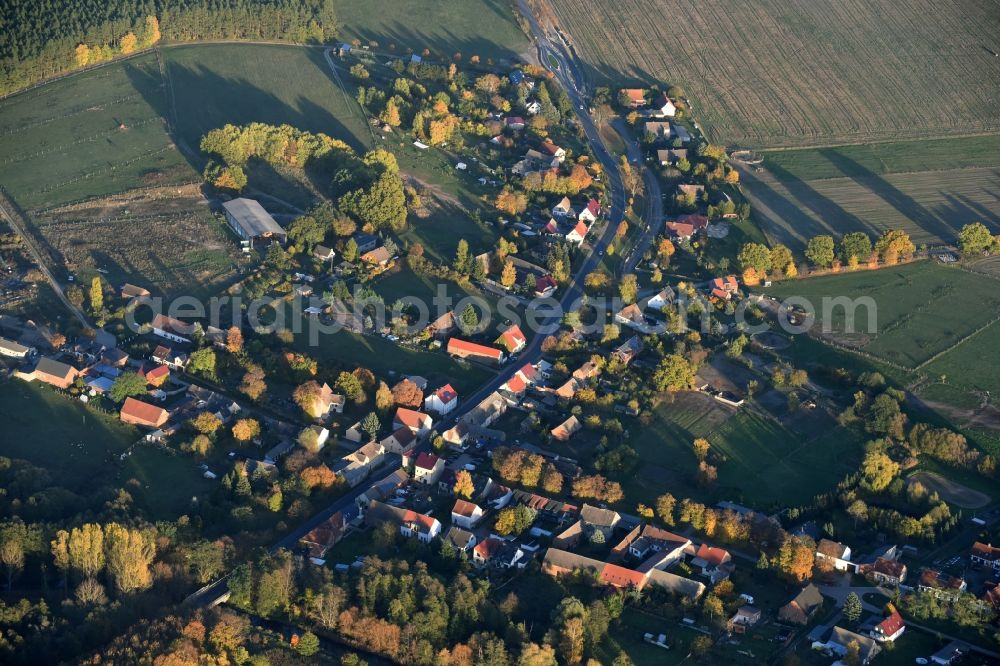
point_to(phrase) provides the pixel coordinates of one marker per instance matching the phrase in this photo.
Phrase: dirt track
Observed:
(952, 492)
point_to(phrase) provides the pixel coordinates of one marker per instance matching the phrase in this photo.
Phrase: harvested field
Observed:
(951, 491)
(166, 239)
(932, 206)
(771, 73)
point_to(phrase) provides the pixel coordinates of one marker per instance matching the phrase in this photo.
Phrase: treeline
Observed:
(41, 38)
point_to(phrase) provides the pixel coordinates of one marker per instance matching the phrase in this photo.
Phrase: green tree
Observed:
(306, 232)
(852, 607)
(857, 245)
(674, 373)
(127, 385)
(350, 252)
(461, 262)
(308, 644)
(203, 362)
(628, 288)
(974, 238)
(468, 321)
(878, 470)
(371, 425)
(819, 250)
(96, 294)
(350, 386)
(755, 256)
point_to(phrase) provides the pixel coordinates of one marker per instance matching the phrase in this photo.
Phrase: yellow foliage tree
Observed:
(82, 54)
(791, 270)
(128, 43)
(152, 32)
(751, 277)
(509, 275)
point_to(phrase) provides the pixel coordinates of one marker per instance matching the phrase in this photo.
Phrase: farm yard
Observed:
(769, 74)
(471, 27)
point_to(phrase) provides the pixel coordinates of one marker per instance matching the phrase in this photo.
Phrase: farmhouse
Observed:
(141, 413)
(171, 329)
(941, 585)
(885, 571)
(636, 97)
(12, 349)
(596, 519)
(250, 221)
(471, 350)
(52, 372)
(645, 540)
(560, 562)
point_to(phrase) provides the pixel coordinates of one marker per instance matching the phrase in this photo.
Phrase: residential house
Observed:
(578, 233)
(889, 629)
(661, 299)
(686, 226)
(836, 554)
(802, 608)
(484, 551)
(671, 156)
(136, 412)
(515, 122)
(545, 508)
(941, 585)
(554, 151)
(885, 571)
(628, 350)
(646, 540)
(687, 189)
(533, 107)
(328, 402)
(355, 433)
(365, 242)
(470, 350)
(460, 539)
(442, 327)
(355, 467)
(594, 518)
(991, 596)
(400, 441)
(631, 316)
(322, 436)
(745, 617)
(510, 556)
(380, 257)
(657, 130)
(663, 107)
(323, 253)
(13, 349)
(116, 358)
(566, 429)
(52, 372)
(985, 554)
(479, 417)
(130, 291)
(427, 468)
(442, 401)
(411, 524)
(323, 537)
(636, 97)
(167, 356)
(716, 563)
(724, 288)
(171, 329)
(590, 212)
(155, 376)
(250, 221)
(563, 209)
(383, 488)
(841, 639)
(545, 286)
(466, 514)
(952, 653)
(513, 339)
(419, 423)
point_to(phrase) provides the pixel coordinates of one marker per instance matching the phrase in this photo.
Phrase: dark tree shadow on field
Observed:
(902, 202)
(962, 210)
(118, 274)
(821, 205)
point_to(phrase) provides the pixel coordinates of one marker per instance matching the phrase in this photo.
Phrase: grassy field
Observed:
(922, 308)
(965, 364)
(471, 27)
(74, 444)
(879, 159)
(89, 135)
(932, 206)
(766, 463)
(768, 74)
(215, 84)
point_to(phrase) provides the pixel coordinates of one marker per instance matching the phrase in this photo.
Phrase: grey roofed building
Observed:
(13, 349)
(249, 220)
(460, 539)
(676, 584)
(597, 517)
(868, 647)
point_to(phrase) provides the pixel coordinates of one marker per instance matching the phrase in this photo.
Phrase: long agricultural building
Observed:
(250, 221)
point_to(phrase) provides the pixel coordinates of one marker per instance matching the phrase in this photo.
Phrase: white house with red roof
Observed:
(591, 212)
(526, 376)
(427, 467)
(889, 629)
(724, 288)
(578, 233)
(466, 514)
(416, 422)
(545, 286)
(486, 550)
(171, 329)
(442, 401)
(515, 122)
(513, 339)
(425, 528)
(551, 149)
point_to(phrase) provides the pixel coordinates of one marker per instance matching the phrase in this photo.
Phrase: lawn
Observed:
(770, 73)
(921, 308)
(471, 27)
(215, 84)
(75, 444)
(964, 366)
(627, 636)
(88, 135)
(168, 484)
